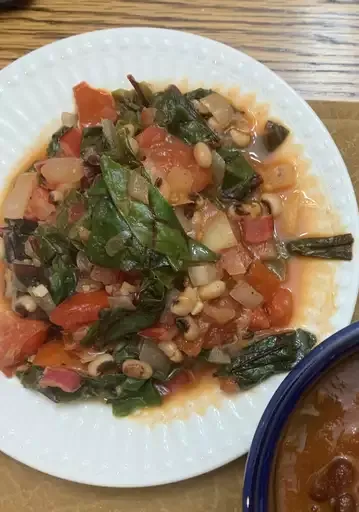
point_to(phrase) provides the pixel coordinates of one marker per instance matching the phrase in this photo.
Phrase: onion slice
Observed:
(63, 170)
(246, 295)
(16, 201)
(218, 356)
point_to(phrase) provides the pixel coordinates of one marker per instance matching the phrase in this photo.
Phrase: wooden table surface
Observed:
(313, 44)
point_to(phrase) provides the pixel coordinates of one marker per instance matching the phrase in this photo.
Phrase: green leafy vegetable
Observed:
(176, 112)
(268, 356)
(155, 225)
(198, 94)
(50, 242)
(63, 279)
(146, 396)
(54, 147)
(116, 324)
(239, 177)
(338, 247)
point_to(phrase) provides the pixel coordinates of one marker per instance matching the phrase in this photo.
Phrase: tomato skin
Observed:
(93, 105)
(71, 143)
(19, 338)
(259, 320)
(81, 308)
(280, 309)
(257, 230)
(262, 280)
(165, 152)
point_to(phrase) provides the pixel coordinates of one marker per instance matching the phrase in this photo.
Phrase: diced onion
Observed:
(220, 315)
(235, 261)
(246, 295)
(62, 170)
(202, 274)
(88, 285)
(121, 301)
(69, 119)
(217, 356)
(218, 233)
(16, 201)
(138, 187)
(219, 107)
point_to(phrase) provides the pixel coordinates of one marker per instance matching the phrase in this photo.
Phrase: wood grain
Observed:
(313, 44)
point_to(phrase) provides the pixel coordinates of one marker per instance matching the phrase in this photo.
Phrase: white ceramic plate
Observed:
(84, 442)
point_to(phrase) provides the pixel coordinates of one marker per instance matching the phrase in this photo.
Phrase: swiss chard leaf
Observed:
(116, 324)
(198, 94)
(262, 359)
(339, 247)
(146, 396)
(176, 112)
(54, 146)
(63, 279)
(155, 225)
(239, 177)
(50, 242)
(15, 235)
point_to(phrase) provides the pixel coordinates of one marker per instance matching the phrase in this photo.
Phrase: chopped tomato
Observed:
(219, 335)
(158, 333)
(71, 142)
(165, 152)
(280, 309)
(228, 385)
(39, 206)
(257, 230)
(181, 379)
(259, 320)
(262, 280)
(19, 338)
(235, 260)
(81, 308)
(54, 354)
(93, 105)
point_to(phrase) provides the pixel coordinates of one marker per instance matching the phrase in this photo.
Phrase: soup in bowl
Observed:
(305, 452)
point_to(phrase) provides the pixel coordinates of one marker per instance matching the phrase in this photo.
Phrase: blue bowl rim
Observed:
(262, 451)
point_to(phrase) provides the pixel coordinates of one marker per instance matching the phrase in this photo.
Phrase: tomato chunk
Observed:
(158, 333)
(19, 338)
(71, 142)
(262, 280)
(280, 309)
(81, 308)
(259, 320)
(93, 105)
(257, 230)
(180, 380)
(165, 152)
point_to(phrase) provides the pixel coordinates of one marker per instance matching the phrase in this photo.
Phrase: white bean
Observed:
(171, 350)
(212, 291)
(24, 305)
(98, 364)
(202, 154)
(185, 302)
(198, 308)
(241, 139)
(137, 369)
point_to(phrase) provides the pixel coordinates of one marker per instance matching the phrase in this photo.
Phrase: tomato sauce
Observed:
(317, 464)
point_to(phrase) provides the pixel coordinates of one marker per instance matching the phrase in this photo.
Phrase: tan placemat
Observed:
(23, 489)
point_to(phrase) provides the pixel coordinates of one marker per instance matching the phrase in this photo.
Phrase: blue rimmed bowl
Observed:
(270, 429)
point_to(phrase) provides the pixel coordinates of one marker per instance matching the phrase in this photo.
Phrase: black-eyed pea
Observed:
(185, 302)
(137, 369)
(171, 350)
(212, 291)
(100, 364)
(274, 203)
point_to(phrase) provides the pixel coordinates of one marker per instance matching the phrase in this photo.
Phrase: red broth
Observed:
(317, 464)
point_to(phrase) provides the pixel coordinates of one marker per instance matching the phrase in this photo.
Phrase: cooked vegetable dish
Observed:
(145, 247)
(317, 460)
